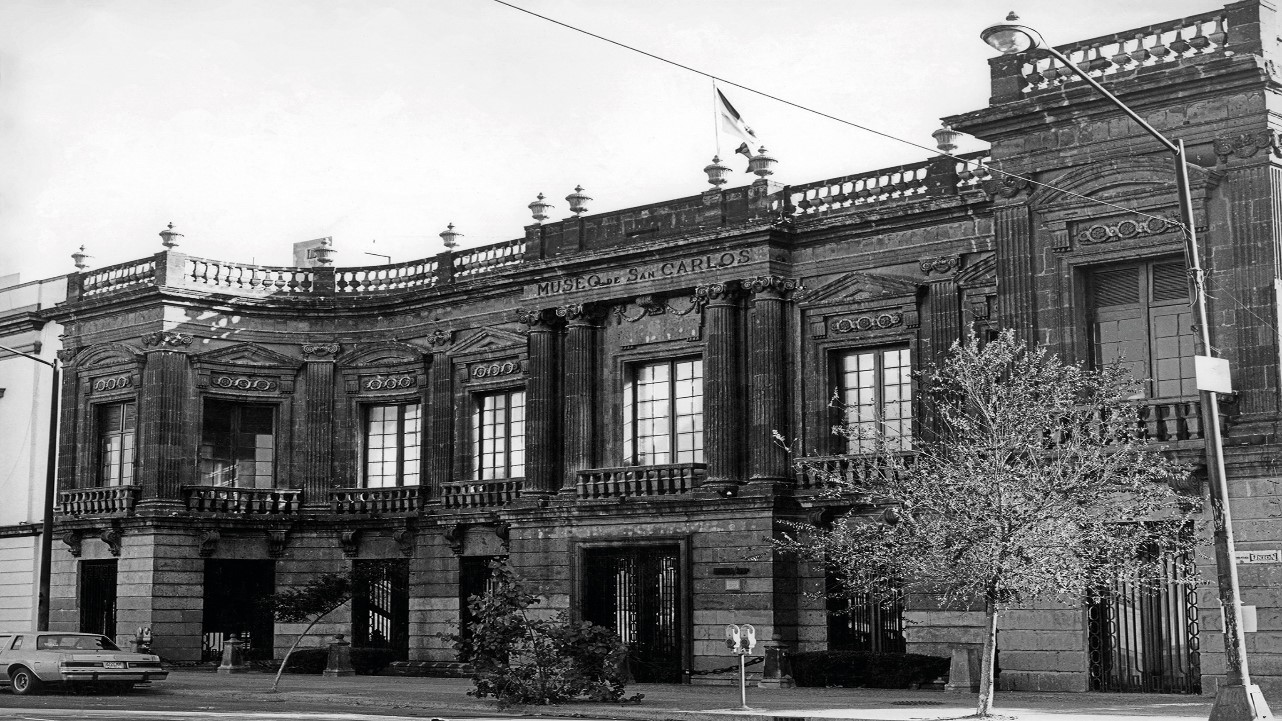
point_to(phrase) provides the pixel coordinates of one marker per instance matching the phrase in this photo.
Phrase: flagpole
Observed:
(716, 120)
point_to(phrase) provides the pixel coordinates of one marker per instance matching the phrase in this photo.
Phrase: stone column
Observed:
(767, 380)
(542, 406)
(317, 455)
(440, 418)
(164, 458)
(582, 400)
(722, 419)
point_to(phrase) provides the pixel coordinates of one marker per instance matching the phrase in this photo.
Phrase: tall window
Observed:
(876, 395)
(498, 435)
(392, 440)
(117, 423)
(238, 445)
(1140, 316)
(663, 413)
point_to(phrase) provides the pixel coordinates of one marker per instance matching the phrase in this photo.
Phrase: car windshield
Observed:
(74, 643)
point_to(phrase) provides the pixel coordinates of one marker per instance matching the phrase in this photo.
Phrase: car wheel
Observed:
(23, 681)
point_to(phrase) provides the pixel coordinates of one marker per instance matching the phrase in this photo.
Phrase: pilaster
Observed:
(767, 379)
(722, 415)
(318, 414)
(440, 418)
(542, 404)
(582, 399)
(1015, 269)
(164, 460)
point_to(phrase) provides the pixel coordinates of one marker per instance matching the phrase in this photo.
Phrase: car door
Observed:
(5, 640)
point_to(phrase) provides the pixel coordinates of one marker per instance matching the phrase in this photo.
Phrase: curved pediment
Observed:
(978, 273)
(105, 354)
(859, 288)
(249, 354)
(1113, 180)
(388, 352)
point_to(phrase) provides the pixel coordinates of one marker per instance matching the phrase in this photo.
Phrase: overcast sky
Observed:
(251, 125)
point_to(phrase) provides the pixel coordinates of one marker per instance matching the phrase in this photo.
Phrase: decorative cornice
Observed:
(942, 264)
(166, 338)
(1248, 144)
(321, 351)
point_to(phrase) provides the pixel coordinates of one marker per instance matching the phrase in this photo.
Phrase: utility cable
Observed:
(820, 113)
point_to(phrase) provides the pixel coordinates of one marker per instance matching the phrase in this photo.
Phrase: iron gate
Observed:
(98, 597)
(380, 605)
(1144, 638)
(637, 593)
(859, 622)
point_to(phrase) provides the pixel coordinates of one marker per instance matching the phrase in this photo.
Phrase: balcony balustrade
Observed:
(665, 480)
(481, 494)
(243, 501)
(96, 501)
(406, 499)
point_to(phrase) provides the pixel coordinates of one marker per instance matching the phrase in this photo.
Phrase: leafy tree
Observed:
(520, 659)
(310, 602)
(1036, 482)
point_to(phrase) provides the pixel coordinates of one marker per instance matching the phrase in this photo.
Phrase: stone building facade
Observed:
(597, 399)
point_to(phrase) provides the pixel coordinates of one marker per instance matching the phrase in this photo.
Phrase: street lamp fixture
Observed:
(1238, 698)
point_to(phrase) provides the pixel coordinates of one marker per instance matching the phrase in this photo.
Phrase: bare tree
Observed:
(1035, 481)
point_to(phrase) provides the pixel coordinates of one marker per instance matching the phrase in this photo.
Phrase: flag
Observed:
(731, 123)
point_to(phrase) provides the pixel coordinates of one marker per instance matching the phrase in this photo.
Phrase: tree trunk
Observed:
(987, 663)
(285, 661)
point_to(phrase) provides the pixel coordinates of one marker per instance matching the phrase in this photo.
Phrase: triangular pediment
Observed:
(249, 354)
(859, 288)
(488, 339)
(382, 353)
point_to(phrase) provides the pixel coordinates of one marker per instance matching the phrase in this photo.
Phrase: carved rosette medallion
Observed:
(244, 383)
(320, 351)
(389, 383)
(166, 338)
(1127, 229)
(495, 369)
(112, 383)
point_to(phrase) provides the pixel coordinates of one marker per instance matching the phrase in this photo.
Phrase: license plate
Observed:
(113, 664)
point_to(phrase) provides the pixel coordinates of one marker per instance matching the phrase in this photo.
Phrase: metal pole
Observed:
(743, 683)
(1237, 698)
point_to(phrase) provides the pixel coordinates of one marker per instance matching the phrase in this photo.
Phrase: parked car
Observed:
(31, 659)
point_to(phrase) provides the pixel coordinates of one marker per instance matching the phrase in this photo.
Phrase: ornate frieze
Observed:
(112, 383)
(941, 265)
(1138, 227)
(865, 323)
(320, 351)
(495, 369)
(389, 382)
(244, 383)
(1248, 144)
(166, 338)
(649, 305)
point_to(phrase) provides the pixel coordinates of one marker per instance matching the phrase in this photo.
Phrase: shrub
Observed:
(522, 660)
(853, 669)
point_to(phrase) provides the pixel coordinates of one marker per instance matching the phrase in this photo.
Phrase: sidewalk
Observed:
(662, 702)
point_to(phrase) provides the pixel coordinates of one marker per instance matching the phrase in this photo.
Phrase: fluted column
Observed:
(163, 455)
(582, 399)
(317, 458)
(722, 419)
(1016, 301)
(767, 380)
(542, 407)
(440, 420)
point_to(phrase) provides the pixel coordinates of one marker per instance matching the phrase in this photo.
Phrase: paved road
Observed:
(35, 714)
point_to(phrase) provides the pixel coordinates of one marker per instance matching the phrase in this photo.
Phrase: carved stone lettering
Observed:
(642, 273)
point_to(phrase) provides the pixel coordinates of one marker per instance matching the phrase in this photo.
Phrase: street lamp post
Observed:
(1238, 699)
(51, 483)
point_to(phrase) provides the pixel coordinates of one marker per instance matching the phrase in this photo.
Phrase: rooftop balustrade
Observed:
(941, 176)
